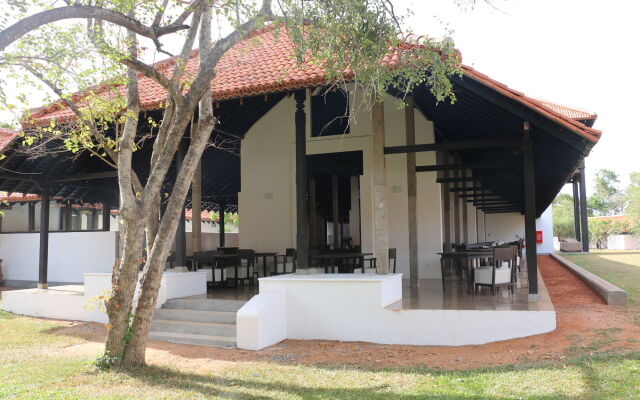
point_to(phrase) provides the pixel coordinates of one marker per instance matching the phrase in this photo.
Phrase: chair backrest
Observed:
(202, 257)
(290, 253)
(503, 254)
(393, 253)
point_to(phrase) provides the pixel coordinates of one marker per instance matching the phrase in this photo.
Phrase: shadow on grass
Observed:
(592, 375)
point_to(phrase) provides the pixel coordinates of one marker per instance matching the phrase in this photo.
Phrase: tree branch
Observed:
(21, 28)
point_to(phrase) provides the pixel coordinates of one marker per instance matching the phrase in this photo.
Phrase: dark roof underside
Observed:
(479, 113)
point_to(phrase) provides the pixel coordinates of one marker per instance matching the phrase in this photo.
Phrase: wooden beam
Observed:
(576, 208)
(528, 168)
(478, 180)
(68, 216)
(584, 221)
(475, 166)
(466, 188)
(381, 238)
(302, 195)
(335, 211)
(446, 202)
(87, 176)
(106, 216)
(31, 217)
(196, 208)
(465, 213)
(43, 257)
(455, 145)
(313, 218)
(412, 192)
(221, 223)
(181, 238)
(456, 209)
(481, 196)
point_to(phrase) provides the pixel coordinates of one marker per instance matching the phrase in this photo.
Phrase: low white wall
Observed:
(262, 322)
(623, 242)
(70, 255)
(355, 308)
(73, 302)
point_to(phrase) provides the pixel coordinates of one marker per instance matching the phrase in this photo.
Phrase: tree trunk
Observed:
(124, 280)
(134, 354)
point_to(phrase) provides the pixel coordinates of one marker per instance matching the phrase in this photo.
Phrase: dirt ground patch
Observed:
(585, 326)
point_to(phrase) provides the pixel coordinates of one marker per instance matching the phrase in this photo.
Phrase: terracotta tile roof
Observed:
(569, 112)
(612, 218)
(204, 215)
(6, 137)
(535, 104)
(263, 64)
(18, 197)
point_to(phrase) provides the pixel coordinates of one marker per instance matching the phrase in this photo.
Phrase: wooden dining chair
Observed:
(392, 257)
(288, 260)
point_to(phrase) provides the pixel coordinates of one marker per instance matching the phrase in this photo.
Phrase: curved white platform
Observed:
(369, 308)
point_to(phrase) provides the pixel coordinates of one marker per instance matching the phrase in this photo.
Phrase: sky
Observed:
(580, 53)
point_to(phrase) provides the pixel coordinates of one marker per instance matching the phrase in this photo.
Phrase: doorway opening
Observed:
(334, 200)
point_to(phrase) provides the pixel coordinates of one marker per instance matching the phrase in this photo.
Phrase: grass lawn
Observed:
(34, 365)
(620, 267)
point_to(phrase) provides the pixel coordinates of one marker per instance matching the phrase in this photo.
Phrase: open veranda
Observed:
(594, 354)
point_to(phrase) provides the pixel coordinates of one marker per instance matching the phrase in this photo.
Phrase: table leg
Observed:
(469, 275)
(264, 266)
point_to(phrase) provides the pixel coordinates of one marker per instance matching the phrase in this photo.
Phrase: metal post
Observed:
(44, 240)
(584, 221)
(302, 195)
(576, 209)
(530, 212)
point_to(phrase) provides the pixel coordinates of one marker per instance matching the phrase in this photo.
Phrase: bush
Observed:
(105, 361)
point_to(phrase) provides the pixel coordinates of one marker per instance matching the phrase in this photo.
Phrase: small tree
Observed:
(607, 198)
(563, 218)
(633, 202)
(42, 46)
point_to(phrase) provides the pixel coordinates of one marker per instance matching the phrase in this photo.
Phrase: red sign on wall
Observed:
(538, 236)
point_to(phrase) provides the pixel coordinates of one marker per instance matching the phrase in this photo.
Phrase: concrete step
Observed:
(175, 314)
(187, 338)
(204, 304)
(198, 328)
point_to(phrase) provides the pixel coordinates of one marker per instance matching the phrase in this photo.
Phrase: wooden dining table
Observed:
(467, 257)
(337, 259)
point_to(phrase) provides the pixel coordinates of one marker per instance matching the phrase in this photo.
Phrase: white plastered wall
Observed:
(508, 227)
(70, 255)
(16, 219)
(267, 199)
